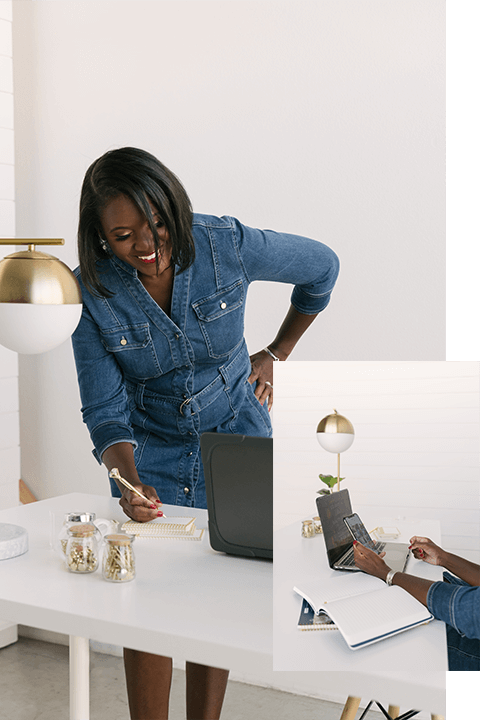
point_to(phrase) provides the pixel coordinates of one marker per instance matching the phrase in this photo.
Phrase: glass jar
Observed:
(118, 558)
(81, 553)
(74, 518)
(317, 525)
(307, 529)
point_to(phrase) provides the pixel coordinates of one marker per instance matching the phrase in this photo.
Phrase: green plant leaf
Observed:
(329, 480)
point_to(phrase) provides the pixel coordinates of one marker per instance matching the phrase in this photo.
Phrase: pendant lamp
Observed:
(335, 434)
(40, 299)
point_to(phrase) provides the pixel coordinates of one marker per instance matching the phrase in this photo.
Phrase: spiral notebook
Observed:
(309, 620)
(173, 528)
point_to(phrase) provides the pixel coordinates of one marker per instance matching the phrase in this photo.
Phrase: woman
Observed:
(456, 601)
(161, 356)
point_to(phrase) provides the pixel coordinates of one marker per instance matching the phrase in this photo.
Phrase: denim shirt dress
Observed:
(458, 604)
(159, 382)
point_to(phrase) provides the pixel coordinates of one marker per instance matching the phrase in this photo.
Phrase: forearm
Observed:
(121, 456)
(290, 332)
(418, 587)
(464, 569)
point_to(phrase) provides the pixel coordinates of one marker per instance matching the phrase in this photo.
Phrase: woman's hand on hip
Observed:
(139, 509)
(262, 375)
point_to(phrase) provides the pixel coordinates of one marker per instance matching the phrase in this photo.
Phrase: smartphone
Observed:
(358, 530)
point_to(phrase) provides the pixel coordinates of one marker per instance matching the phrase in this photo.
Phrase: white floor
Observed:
(34, 686)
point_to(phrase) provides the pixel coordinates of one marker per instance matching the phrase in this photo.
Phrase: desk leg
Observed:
(351, 707)
(79, 678)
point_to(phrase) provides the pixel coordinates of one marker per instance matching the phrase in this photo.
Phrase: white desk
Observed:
(187, 601)
(410, 656)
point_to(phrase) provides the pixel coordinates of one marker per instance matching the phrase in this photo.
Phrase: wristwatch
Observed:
(389, 578)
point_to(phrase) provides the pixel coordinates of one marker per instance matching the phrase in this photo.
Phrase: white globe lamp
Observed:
(40, 299)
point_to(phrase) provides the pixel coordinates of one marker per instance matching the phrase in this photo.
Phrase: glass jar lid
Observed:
(120, 539)
(82, 530)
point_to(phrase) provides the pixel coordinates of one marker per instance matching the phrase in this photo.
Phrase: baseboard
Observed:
(44, 635)
(8, 634)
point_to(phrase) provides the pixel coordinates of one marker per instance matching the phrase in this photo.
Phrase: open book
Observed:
(364, 609)
(179, 528)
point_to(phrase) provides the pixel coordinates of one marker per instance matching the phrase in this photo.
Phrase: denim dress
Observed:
(458, 604)
(160, 381)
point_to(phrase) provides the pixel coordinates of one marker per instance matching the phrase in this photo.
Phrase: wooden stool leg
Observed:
(350, 708)
(393, 711)
(437, 717)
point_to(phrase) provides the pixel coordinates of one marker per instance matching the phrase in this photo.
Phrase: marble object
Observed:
(13, 541)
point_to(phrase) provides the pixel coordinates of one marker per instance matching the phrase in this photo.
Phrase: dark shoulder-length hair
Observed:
(142, 178)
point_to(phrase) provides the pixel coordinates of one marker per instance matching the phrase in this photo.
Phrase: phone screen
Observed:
(359, 531)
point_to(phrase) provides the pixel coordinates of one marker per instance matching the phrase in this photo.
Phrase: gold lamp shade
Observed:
(40, 299)
(335, 423)
(335, 434)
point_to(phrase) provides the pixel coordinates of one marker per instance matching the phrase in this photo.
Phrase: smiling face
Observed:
(127, 231)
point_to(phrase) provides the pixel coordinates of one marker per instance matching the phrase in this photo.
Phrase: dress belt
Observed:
(206, 396)
(201, 399)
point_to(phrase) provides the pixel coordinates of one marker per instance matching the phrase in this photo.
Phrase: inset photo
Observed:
(376, 516)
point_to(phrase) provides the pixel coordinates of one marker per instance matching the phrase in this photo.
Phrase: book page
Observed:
(369, 617)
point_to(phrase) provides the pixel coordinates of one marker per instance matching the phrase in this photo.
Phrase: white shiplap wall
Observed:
(416, 448)
(9, 433)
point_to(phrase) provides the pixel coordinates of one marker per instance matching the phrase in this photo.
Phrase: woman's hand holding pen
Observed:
(141, 509)
(139, 502)
(425, 549)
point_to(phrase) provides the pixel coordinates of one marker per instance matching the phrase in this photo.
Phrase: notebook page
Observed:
(317, 591)
(161, 527)
(370, 616)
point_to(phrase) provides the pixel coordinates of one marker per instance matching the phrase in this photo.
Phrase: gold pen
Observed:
(115, 475)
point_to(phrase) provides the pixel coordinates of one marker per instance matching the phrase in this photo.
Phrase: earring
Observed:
(103, 243)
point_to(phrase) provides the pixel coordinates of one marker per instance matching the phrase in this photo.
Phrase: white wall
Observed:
(416, 447)
(9, 423)
(321, 117)
(324, 118)
(9, 420)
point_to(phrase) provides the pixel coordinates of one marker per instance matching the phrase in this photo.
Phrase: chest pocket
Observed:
(134, 351)
(220, 317)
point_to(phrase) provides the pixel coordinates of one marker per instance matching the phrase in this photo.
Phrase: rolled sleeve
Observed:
(308, 264)
(102, 389)
(457, 605)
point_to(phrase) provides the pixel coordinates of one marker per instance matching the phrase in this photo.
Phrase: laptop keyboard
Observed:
(349, 561)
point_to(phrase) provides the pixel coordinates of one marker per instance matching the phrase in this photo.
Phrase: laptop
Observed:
(338, 538)
(239, 484)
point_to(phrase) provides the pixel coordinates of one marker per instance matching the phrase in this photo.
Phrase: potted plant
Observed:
(330, 481)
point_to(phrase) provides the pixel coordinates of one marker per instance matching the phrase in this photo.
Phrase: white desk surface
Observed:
(187, 601)
(413, 651)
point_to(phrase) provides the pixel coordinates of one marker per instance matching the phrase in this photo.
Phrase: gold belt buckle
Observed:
(185, 402)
